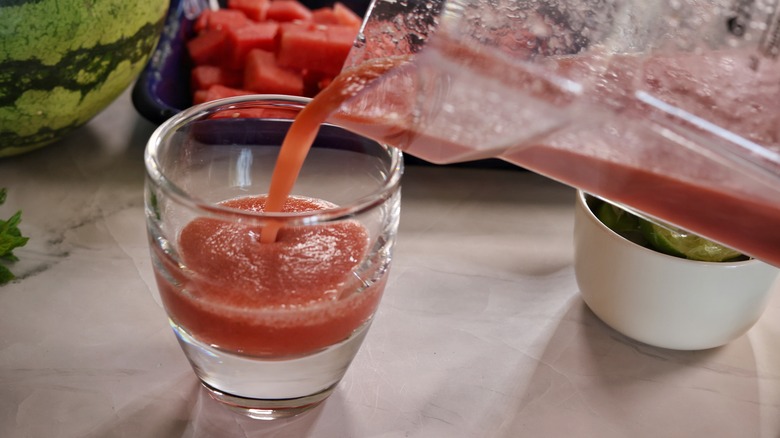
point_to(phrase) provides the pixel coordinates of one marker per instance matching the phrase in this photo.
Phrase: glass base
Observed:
(270, 388)
(273, 409)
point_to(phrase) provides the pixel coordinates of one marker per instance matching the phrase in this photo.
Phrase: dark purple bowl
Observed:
(163, 88)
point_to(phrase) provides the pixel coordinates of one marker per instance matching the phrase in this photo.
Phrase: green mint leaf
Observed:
(10, 235)
(11, 225)
(10, 258)
(5, 275)
(10, 239)
(7, 245)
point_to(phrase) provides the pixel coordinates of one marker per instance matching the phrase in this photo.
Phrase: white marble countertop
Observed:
(482, 332)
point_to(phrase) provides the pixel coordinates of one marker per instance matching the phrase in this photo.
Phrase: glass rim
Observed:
(153, 170)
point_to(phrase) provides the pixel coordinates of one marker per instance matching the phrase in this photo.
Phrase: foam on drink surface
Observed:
(290, 296)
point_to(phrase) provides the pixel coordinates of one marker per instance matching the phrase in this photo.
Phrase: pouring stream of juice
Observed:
(689, 137)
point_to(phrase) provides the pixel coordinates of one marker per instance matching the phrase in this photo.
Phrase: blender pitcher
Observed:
(670, 109)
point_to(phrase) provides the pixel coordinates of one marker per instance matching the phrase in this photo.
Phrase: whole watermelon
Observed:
(63, 61)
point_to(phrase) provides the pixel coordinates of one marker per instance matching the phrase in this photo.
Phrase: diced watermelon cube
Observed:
(255, 10)
(290, 26)
(254, 36)
(323, 48)
(208, 47)
(324, 16)
(256, 113)
(288, 10)
(200, 96)
(204, 76)
(314, 82)
(346, 16)
(293, 26)
(220, 19)
(202, 22)
(263, 75)
(324, 82)
(217, 92)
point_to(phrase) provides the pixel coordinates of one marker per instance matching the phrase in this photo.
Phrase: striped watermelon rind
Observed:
(63, 61)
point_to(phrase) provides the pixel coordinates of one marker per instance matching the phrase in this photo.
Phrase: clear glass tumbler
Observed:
(269, 328)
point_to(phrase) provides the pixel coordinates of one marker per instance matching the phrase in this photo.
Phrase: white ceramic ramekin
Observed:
(663, 300)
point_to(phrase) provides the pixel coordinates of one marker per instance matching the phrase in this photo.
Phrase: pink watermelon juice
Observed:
(707, 198)
(290, 297)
